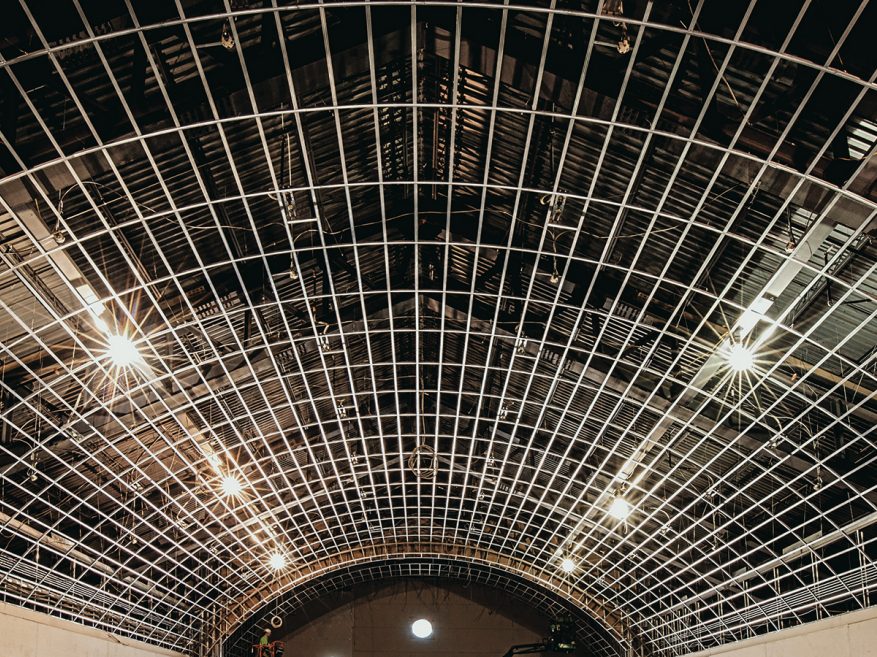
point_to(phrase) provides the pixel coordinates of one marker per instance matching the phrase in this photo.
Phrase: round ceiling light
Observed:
(567, 565)
(620, 508)
(421, 628)
(740, 357)
(231, 486)
(122, 351)
(277, 561)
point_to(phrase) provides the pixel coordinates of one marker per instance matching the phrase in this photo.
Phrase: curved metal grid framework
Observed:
(534, 596)
(438, 273)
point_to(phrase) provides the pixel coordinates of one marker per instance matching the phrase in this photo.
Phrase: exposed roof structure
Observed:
(572, 297)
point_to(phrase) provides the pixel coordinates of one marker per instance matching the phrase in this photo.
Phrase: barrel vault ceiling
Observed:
(463, 290)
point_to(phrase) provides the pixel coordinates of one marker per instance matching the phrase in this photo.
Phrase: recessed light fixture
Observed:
(122, 351)
(620, 508)
(277, 561)
(231, 486)
(567, 565)
(421, 628)
(739, 357)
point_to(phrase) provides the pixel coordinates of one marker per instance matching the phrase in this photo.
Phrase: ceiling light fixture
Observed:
(227, 38)
(739, 357)
(818, 482)
(421, 628)
(620, 508)
(277, 561)
(122, 351)
(567, 565)
(231, 486)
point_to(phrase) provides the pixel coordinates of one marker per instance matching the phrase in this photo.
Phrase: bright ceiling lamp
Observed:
(421, 628)
(122, 351)
(231, 486)
(620, 508)
(277, 561)
(567, 565)
(739, 357)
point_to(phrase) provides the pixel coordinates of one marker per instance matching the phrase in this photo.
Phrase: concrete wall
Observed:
(848, 635)
(379, 624)
(25, 633)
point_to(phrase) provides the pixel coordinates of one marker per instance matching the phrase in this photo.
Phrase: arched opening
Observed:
(479, 581)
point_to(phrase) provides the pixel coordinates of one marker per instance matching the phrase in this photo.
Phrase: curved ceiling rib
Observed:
(581, 294)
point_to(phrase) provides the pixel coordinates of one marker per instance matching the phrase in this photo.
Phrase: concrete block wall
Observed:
(26, 633)
(848, 635)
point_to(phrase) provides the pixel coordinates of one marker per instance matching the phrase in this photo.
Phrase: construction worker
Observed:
(263, 643)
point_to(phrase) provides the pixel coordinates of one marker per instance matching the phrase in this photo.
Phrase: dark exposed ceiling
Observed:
(438, 282)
